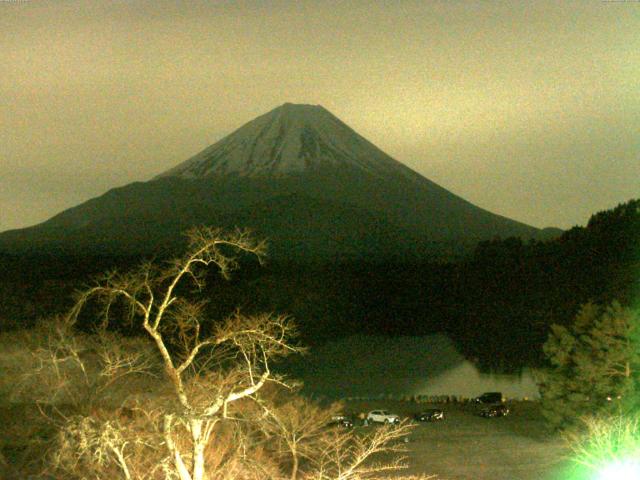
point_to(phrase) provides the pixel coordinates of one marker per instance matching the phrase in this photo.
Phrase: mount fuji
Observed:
(296, 175)
(290, 140)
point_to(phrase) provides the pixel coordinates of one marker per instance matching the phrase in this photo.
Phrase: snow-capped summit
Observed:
(291, 138)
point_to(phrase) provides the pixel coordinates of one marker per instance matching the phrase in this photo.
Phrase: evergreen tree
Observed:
(594, 365)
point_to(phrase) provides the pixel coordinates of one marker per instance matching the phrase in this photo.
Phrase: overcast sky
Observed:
(528, 109)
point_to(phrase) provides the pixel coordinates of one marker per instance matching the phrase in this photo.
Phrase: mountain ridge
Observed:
(295, 162)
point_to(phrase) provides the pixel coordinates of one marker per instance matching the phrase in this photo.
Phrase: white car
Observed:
(382, 416)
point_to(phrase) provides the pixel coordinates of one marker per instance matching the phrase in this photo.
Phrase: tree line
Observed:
(498, 303)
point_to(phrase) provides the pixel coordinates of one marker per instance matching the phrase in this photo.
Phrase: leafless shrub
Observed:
(120, 443)
(79, 370)
(297, 426)
(318, 449)
(605, 439)
(352, 457)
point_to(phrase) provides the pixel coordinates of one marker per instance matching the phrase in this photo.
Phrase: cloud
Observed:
(517, 91)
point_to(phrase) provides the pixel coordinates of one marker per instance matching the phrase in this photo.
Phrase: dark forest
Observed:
(497, 302)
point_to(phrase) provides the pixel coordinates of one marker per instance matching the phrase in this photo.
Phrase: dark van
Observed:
(490, 397)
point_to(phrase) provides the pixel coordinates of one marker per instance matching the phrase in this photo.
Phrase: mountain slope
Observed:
(288, 140)
(296, 175)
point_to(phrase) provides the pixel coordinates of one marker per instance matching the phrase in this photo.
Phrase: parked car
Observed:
(344, 421)
(490, 397)
(431, 415)
(500, 410)
(382, 416)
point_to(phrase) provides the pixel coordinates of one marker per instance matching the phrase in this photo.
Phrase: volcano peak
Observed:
(290, 139)
(297, 175)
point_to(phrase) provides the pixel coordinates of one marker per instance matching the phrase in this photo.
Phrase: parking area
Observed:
(466, 446)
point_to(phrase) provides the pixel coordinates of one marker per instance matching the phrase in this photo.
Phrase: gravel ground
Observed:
(465, 446)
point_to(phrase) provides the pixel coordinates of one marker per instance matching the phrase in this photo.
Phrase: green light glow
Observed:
(621, 470)
(608, 448)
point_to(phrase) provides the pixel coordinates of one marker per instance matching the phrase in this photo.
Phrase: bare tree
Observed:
(82, 370)
(78, 381)
(323, 450)
(213, 419)
(299, 424)
(241, 347)
(353, 457)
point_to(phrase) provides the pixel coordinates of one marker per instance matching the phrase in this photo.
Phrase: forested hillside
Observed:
(508, 293)
(497, 304)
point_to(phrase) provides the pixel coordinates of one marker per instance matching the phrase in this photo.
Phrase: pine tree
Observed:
(594, 365)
